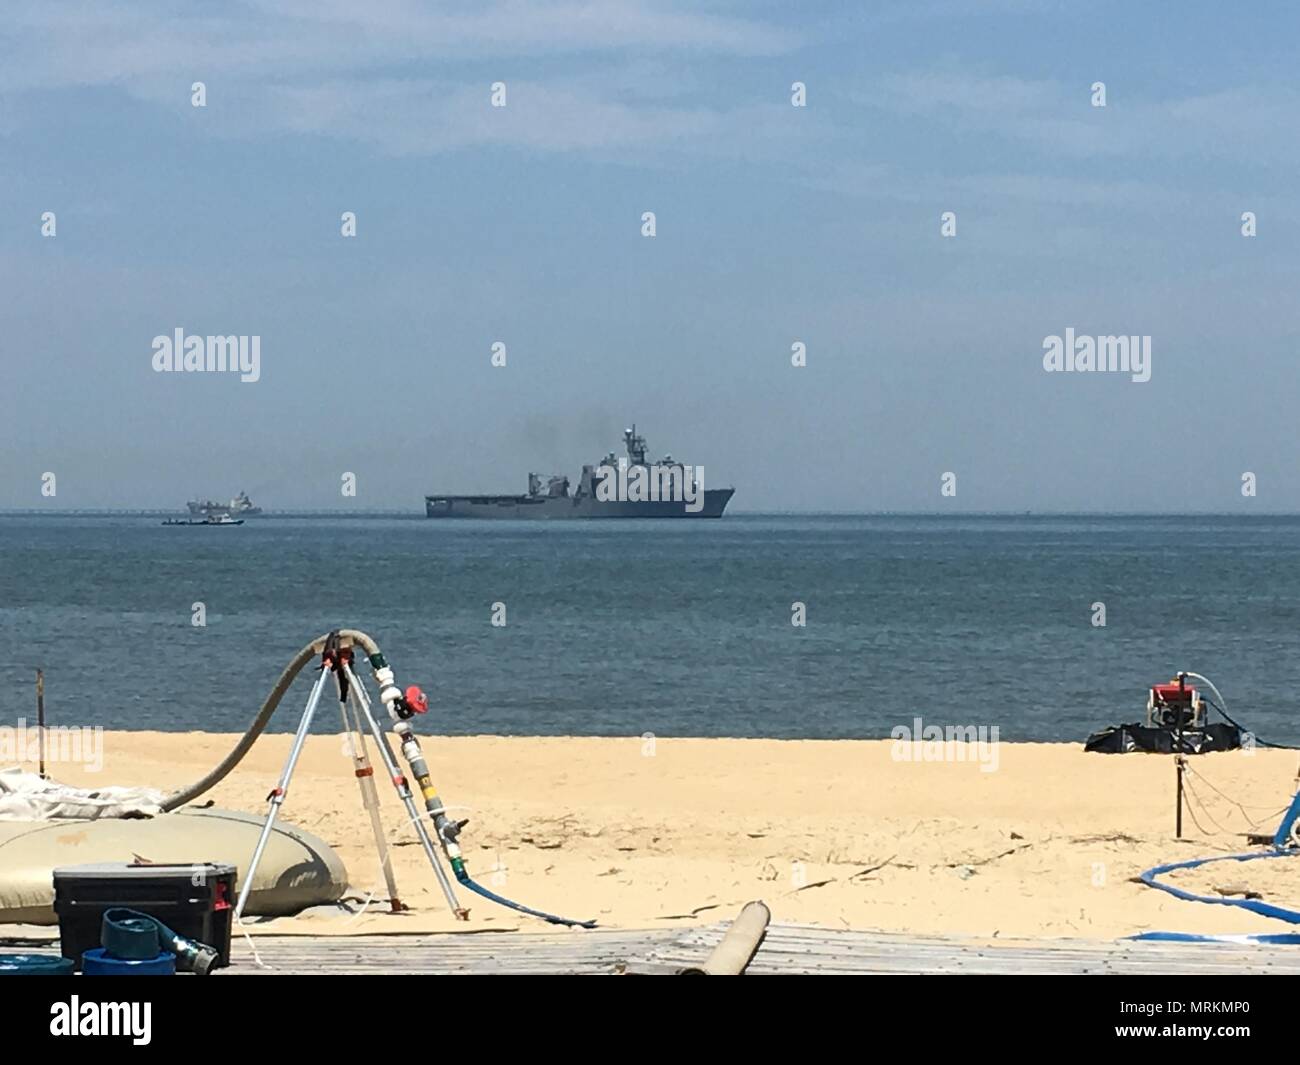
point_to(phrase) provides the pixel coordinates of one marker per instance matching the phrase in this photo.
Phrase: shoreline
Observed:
(674, 831)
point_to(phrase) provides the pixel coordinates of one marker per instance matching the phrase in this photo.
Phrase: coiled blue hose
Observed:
(132, 935)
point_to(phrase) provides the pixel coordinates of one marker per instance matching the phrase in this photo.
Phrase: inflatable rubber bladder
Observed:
(297, 870)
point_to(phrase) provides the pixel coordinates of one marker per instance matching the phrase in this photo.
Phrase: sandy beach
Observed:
(642, 834)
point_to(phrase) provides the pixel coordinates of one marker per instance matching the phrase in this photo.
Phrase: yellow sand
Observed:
(838, 833)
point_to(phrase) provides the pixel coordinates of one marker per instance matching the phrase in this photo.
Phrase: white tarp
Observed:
(26, 797)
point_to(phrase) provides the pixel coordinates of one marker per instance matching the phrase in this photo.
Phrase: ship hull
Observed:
(567, 508)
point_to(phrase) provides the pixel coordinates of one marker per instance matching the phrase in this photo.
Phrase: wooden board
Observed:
(789, 949)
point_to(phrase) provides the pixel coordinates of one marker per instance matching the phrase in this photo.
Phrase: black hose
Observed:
(1263, 743)
(291, 671)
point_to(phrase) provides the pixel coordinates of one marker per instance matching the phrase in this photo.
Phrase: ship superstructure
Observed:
(630, 487)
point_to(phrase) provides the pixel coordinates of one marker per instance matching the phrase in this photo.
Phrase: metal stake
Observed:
(1179, 761)
(40, 717)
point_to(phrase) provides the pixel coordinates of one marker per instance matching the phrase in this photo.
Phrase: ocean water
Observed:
(673, 628)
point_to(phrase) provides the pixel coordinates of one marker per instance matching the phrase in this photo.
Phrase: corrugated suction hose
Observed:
(291, 671)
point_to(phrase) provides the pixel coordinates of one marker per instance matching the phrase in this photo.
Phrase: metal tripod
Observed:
(352, 697)
(336, 658)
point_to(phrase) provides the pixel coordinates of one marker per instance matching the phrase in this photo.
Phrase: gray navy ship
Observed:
(241, 506)
(550, 498)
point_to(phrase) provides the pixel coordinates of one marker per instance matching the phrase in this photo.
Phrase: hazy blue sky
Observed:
(775, 224)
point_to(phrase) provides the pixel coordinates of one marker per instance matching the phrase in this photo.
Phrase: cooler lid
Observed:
(128, 871)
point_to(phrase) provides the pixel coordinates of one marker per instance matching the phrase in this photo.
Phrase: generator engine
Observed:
(1176, 705)
(1177, 722)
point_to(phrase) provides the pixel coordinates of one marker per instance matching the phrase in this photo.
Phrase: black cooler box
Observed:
(195, 900)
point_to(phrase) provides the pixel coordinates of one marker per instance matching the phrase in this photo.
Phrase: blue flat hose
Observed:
(1288, 824)
(479, 889)
(134, 936)
(1289, 939)
(1264, 909)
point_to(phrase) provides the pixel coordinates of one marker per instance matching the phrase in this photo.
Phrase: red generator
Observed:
(1175, 705)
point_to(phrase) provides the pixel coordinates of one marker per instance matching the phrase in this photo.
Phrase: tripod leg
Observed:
(277, 796)
(402, 708)
(404, 793)
(369, 796)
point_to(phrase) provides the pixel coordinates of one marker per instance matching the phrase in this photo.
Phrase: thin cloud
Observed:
(425, 118)
(52, 45)
(406, 78)
(1251, 123)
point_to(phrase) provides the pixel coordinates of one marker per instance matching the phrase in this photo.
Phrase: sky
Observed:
(775, 224)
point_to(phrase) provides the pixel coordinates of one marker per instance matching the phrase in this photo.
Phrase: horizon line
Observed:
(343, 512)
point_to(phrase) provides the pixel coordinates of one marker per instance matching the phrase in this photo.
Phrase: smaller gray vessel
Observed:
(676, 493)
(241, 506)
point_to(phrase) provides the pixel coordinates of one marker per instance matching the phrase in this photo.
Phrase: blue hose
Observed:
(479, 889)
(1264, 909)
(1289, 939)
(1287, 825)
(133, 936)
(130, 935)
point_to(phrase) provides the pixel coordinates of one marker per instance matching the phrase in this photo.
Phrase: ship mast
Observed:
(635, 446)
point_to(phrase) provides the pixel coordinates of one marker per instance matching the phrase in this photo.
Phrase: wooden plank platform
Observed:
(802, 949)
(788, 949)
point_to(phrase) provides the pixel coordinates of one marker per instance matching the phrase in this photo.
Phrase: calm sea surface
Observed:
(675, 628)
